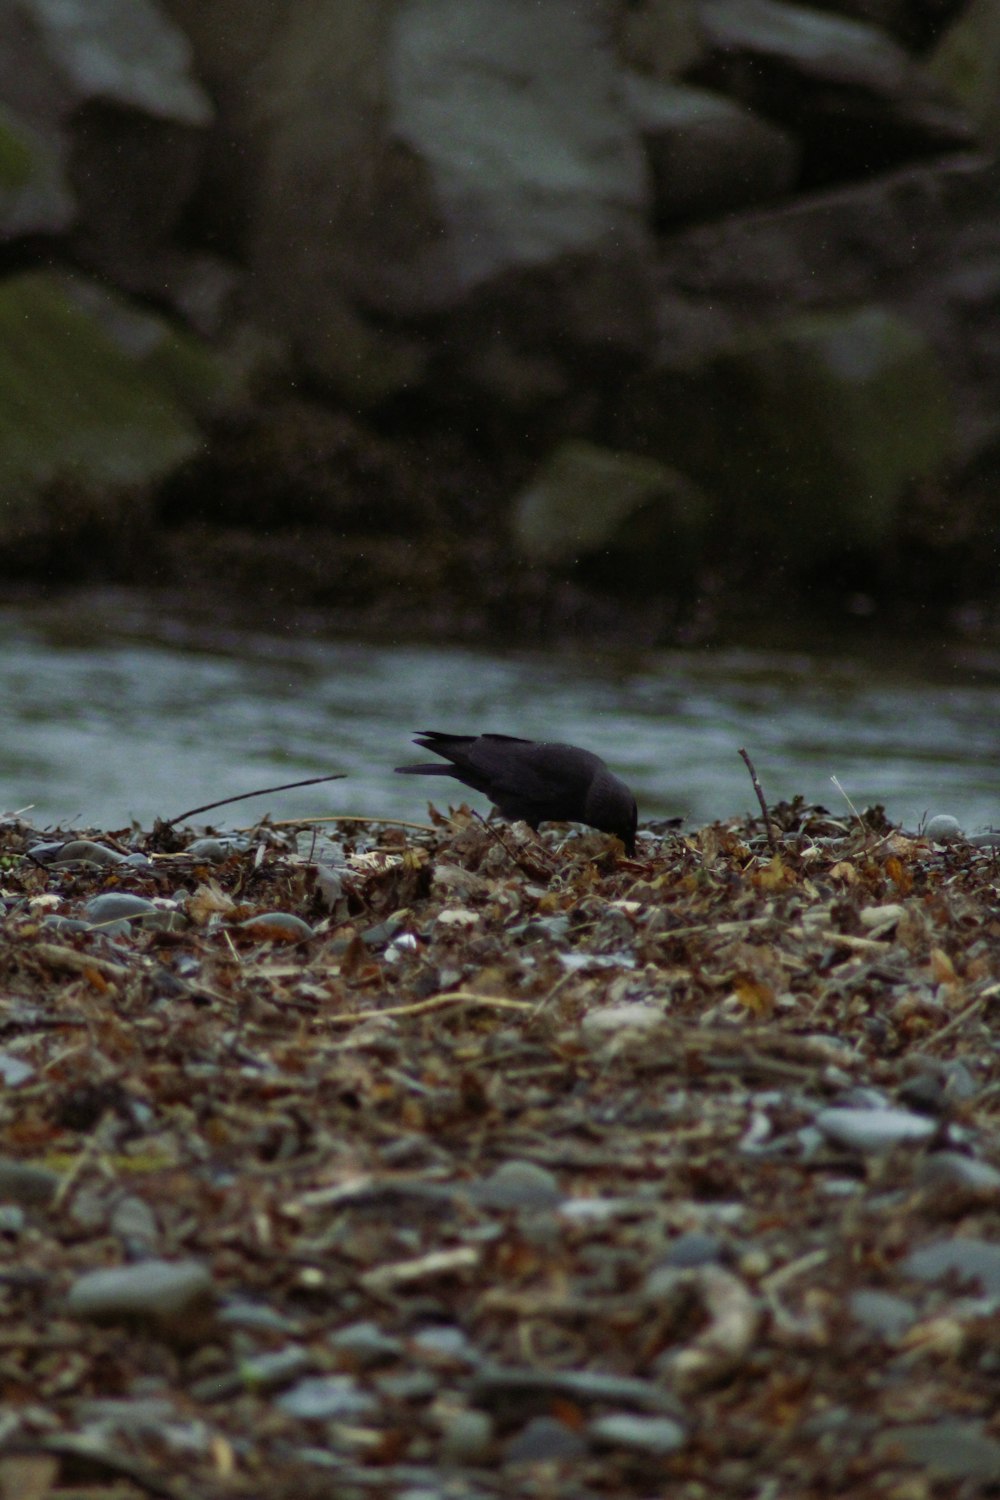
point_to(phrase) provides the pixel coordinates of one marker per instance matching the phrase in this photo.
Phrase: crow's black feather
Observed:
(534, 781)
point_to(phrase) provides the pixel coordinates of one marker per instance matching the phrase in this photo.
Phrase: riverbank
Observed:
(443, 1158)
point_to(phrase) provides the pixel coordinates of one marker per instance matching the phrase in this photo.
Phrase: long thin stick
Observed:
(436, 1002)
(265, 791)
(768, 829)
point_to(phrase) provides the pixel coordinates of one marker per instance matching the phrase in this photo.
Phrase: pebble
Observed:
(134, 1222)
(63, 926)
(22, 1182)
(115, 910)
(87, 850)
(609, 1020)
(497, 1385)
(965, 1258)
(949, 1449)
(466, 1435)
(366, 1344)
(878, 920)
(329, 886)
(271, 1371)
(517, 1184)
(278, 926)
(882, 1312)
(14, 1070)
(652, 1436)
(170, 1294)
(952, 1169)
(12, 1219)
(873, 1129)
(444, 1344)
(943, 829)
(545, 1440)
(322, 1397)
(695, 1248)
(215, 850)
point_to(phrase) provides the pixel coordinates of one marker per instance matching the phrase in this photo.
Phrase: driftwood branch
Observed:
(772, 842)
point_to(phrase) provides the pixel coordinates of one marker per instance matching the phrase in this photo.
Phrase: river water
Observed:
(116, 708)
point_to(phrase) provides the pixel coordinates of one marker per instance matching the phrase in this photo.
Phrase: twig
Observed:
(348, 818)
(522, 863)
(864, 826)
(768, 828)
(264, 791)
(435, 1002)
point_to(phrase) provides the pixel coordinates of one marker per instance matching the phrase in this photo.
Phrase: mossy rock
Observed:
(86, 406)
(610, 511)
(810, 431)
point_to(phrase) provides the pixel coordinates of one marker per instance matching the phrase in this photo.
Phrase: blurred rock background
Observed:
(629, 316)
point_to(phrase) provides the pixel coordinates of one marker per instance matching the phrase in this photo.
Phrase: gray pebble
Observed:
(653, 1436)
(882, 1312)
(326, 1397)
(408, 1385)
(329, 885)
(271, 1371)
(367, 1344)
(544, 1440)
(279, 924)
(63, 926)
(466, 1435)
(240, 1312)
(444, 1343)
(21, 1182)
(12, 1219)
(121, 908)
(695, 1248)
(164, 1292)
(966, 1259)
(943, 829)
(499, 1385)
(949, 1449)
(873, 1129)
(14, 1070)
(215, 850)
(89, 852)
(952, 1169)
(134, 1222)
(611, 1020)
(517, 1184)
(46, 854)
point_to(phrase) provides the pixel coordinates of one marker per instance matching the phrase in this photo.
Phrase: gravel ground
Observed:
(355, 1160)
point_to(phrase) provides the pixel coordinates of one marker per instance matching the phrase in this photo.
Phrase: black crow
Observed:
(534, 781)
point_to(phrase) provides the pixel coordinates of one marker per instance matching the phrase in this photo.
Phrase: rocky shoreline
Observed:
(664, 313)
(373, 1159)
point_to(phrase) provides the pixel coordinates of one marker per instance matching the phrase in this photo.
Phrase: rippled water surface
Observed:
(115, 709)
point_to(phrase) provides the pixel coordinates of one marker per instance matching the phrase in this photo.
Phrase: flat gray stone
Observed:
(653, 1436)
(159, 1291)
(882, 1312)
(545, 1440)
(874, 1129)
(963, 1259)
(517, 1184)
(949, 1449)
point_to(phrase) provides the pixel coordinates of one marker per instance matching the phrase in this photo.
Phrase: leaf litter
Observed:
(354, 1160)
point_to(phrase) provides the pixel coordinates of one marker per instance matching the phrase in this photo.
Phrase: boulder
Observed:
(809, 430)
(966, 62)
(707, 156)
(96, 397)
(34, 195)
(103, 92)
(856, 99)
(619, 514)
(430, 170)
